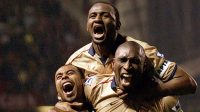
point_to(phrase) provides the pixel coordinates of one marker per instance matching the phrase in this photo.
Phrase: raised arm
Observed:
(175, 80)
(180, 84)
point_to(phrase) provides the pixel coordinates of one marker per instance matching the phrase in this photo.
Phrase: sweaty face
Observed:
(101, 23)
(68, 83)
(128, 66)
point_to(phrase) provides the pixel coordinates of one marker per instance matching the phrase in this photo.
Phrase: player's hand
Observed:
(151, 93)
(68, 107)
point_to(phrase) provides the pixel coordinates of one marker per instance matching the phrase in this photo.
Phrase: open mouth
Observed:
(98, 31)
(126, 79)
(68, 88)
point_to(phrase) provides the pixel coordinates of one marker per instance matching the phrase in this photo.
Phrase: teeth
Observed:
(67, 83)
(127, 75)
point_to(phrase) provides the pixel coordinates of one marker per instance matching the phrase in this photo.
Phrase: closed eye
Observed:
(70, 72)
(93, 15)
(59, 76)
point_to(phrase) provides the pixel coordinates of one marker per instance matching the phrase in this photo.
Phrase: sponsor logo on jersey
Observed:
(89, 80)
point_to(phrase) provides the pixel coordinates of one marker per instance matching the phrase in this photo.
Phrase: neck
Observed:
(102, 50)
(105, 49)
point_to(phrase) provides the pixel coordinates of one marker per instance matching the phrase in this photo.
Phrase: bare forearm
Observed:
(180, 84)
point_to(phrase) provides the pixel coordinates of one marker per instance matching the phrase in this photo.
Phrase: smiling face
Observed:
(69, 83)
(128, 65)
(101, 23)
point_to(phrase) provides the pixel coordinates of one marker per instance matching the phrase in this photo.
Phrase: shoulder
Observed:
(96, 86)
(145, 45)
(151, 51)
(78, 52)
(98, 79)
(94, 83)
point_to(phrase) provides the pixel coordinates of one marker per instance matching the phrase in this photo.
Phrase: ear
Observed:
(59, 98)
(147, 65)
(86, 28)
(112, 64)
(118, 25)
(149, 68)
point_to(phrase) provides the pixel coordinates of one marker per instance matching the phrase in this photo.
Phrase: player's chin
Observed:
(70, 98)
(126, 82)
(125, 87)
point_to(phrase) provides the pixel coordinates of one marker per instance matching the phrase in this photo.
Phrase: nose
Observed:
(98, 18)
(65, 76)
(127, 65)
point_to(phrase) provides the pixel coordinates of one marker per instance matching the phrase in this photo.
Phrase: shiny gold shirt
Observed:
(100, 93)
(86, 59)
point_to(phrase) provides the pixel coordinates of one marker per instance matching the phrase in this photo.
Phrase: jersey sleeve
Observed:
(78, 53)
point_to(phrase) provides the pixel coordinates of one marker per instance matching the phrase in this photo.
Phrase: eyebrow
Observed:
(59, 74)
(65, 72)
(101, 12)
(70, 71)
(124, 57)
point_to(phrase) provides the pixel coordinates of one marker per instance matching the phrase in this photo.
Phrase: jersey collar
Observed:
(120, 39)
(113, 84)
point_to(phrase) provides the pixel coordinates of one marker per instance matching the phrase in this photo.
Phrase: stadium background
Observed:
(37, 36)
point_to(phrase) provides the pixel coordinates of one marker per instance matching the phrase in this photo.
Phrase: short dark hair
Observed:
(79, 70)
(115, 9)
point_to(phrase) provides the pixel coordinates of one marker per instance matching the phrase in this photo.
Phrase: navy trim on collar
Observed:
(113, 84)
(103, 59)
(91, 51)
(120, 39)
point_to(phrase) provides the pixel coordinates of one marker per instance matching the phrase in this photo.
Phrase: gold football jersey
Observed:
(100, 92)
(92, 64)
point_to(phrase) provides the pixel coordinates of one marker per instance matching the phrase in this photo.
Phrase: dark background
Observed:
(38, 36)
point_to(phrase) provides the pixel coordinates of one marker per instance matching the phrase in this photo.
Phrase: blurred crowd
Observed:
(36, 37)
